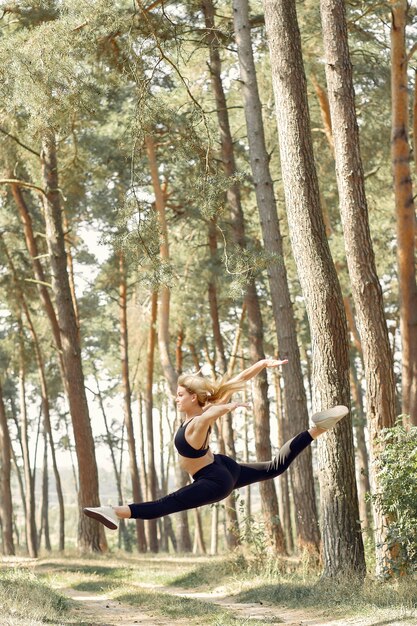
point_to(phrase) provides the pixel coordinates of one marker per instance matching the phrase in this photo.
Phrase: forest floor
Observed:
(171, 590)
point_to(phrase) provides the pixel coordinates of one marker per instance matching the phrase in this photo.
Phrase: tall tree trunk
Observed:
(342, 542)
(404, 208)
(284, 503)
(226, 434)
(163, 326)
(127, 404)
(88, 531)
(261, 405)
(295, 398)
(29, 501)
(6, 504)
(152, 481)
(163, 330)
(366, 290)
(362, 461)
(44, 528)
(141, 446)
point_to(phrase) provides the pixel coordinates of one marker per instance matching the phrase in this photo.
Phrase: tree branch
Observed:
(19, 142)
(413, 49)
(21, 183)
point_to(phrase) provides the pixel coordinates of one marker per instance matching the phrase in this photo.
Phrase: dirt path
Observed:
(100, 610)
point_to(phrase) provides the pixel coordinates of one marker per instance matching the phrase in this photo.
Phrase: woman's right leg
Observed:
(256, 472)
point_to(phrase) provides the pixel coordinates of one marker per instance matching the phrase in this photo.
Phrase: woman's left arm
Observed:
(213, 412)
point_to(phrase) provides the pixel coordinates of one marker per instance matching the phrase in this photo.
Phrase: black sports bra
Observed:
(184, 448)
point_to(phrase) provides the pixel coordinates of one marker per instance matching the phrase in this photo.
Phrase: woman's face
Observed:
(185, 400)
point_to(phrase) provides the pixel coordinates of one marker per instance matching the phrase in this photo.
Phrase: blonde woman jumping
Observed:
(214, 476)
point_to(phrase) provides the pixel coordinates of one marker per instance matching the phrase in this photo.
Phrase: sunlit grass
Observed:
(24, 596)
(271, 581)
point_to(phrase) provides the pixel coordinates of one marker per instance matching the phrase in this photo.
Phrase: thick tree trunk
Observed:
(342, 542)
(152, 482)
(295, 397)
(88, 530)
(404, 208)
(127, 405)
(366, 290)
(6, 505)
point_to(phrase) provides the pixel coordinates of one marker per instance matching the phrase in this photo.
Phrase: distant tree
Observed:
(6, 504)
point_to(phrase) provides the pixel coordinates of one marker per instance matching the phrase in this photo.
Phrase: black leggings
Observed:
(217, 480)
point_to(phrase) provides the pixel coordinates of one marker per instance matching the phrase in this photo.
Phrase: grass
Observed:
(24, 596)
(129, 580)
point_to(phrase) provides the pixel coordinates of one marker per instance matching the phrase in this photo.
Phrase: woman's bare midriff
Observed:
(191, 466)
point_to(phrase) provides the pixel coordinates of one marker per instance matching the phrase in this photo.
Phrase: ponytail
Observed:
(212, 391)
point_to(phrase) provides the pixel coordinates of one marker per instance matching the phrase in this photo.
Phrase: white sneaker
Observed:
(329, 418)
(103, 514)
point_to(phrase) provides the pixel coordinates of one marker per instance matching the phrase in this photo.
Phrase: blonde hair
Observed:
(209, 390)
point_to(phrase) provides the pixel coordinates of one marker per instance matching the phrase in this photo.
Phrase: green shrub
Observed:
(397, 493)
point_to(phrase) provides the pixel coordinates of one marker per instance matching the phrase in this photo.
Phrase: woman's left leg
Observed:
(256, 472)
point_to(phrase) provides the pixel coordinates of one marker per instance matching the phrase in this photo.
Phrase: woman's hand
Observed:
(274, 362)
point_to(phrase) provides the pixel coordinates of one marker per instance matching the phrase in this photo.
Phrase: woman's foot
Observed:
(103, 514)
(329, 418)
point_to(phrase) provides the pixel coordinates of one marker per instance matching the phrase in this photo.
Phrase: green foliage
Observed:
(397, 494)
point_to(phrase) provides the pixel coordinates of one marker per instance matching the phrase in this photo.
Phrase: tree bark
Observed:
(342, 542)
(88, 530)
(295, 398)
(404, 208)
(127, 405)
(366, 290)
(6, 504)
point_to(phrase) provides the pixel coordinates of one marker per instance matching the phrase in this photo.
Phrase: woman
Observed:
(214, 476)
